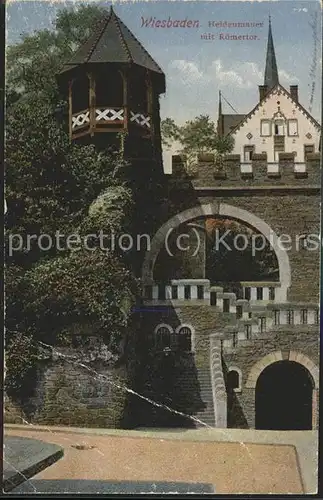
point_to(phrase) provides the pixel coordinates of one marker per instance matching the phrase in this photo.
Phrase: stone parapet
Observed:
(231, 171)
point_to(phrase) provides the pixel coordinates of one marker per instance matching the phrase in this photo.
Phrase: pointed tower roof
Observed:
(271, 72)
(112, 42)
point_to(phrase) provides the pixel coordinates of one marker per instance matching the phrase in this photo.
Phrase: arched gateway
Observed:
(285, 390)
(284, 397)
(223, 210)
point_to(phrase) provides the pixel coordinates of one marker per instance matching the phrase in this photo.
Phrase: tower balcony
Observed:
(110, 119)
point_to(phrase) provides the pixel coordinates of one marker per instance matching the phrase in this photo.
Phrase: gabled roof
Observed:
(230, 122)
(282, 89)
(112, 42)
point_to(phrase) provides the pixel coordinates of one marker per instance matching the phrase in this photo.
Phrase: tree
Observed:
(235, 260)
(196, 136)
(33, 62)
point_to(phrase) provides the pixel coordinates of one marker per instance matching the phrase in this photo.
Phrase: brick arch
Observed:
(161, 325)
(298, 357)
(225, 210)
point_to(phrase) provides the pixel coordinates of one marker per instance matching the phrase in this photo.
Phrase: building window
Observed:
(272, 293)
(234, 339)
(262, 325)
(184, 338)
(174, 292)
(290, 317)
(308, 149)
(265, 128)
(248, 332)
(304, 316)
(187, 292)
(279, 127)
(163, 336)
(316, 317)
(292, 126)
(200, 292)
(276, 317)
(247, 153)
(148, 292)
(247, 293)
(259, 293)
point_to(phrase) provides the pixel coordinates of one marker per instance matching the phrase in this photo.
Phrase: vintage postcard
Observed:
(162, 222)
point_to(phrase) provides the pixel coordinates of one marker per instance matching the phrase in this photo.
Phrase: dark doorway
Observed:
(284, 397)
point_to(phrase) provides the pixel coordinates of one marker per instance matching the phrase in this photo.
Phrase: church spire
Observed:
(271, 72)
(220, 116)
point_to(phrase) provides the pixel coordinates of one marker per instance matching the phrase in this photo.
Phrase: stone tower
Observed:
(113, 87)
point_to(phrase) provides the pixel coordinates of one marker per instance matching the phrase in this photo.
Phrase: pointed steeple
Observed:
(271, 72)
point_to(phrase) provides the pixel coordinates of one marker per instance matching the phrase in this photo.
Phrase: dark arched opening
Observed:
(284, 397)
(233, 380)
(163, 338)
(184, 339)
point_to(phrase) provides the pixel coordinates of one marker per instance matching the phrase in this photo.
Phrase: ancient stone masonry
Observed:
(75, 386)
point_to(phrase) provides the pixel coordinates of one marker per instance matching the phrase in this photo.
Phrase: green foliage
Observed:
(195, 137)
(51, 183)
(32, 63)
(85, 286)
(231, 262)
(21, 359)
(169, 131)
(110, 210)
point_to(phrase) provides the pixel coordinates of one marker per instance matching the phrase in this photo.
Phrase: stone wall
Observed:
(288, 204)
(231, 174)
(75, 387)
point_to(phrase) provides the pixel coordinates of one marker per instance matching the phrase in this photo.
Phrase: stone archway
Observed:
(230, 211)
(285, 388)
(284, 397)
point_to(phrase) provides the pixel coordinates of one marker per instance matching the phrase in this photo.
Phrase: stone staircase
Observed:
(227, 322)
(257, 315)
(207, 414)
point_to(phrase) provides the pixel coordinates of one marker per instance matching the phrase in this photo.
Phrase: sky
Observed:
(196, 69)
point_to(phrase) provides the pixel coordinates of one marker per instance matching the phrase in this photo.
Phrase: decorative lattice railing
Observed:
(109, 115)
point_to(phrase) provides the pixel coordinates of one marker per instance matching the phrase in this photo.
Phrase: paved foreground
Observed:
(232, 460)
